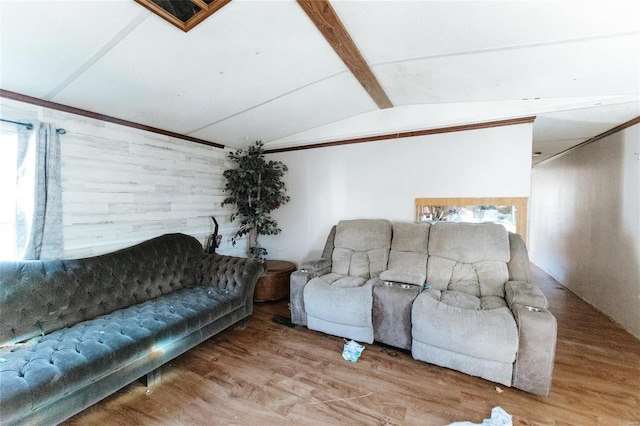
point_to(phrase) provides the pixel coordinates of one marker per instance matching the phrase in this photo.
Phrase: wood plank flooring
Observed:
(264, 373)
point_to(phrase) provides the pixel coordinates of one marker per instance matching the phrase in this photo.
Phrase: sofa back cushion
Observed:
(408, 255)
(361, 247)
(469, 258)
(37, 297)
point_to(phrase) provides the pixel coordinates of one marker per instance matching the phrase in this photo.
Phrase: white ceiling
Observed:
(260, 70)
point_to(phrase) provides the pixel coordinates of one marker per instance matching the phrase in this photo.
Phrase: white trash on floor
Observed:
(352, 350)
(499, 417)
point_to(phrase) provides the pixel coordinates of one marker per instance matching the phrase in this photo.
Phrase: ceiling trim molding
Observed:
(596, 138)
(84, 113)
(389, 136)
(325, 18)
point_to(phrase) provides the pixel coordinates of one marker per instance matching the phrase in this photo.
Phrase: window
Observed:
(511, 212)
(31, 192)
(8, 172)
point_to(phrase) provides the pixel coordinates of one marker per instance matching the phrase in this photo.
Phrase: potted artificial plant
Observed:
(256, 188)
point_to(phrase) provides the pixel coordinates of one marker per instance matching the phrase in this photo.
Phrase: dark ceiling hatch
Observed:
(184, 14)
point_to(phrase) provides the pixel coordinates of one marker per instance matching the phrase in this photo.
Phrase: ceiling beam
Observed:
(325, 18)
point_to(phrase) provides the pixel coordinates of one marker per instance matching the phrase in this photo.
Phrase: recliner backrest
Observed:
(468, 257)
(361, 247)
(408, 255)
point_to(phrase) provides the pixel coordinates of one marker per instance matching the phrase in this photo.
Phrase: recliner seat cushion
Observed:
(340, 305)
(342, 280)
(349, 282)
(486, 334)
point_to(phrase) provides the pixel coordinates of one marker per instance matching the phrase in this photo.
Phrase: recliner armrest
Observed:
(537, 331)
(524, 293)
(298, 280)
(537, 334)
(316, 267)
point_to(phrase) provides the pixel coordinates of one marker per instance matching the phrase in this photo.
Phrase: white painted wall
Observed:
(585, 224)
(121, 185)
(383, 179)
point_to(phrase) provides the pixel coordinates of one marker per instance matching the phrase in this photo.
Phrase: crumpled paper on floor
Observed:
(499, 417)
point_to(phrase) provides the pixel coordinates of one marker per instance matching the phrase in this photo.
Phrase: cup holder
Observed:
(406, 286)
(532, 309)
(389, 283)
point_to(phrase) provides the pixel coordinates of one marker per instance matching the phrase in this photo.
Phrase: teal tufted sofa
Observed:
(74, 331)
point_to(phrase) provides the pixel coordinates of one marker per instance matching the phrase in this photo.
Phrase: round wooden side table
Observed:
(274, 284)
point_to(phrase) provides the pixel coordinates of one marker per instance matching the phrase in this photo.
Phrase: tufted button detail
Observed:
(130, 303)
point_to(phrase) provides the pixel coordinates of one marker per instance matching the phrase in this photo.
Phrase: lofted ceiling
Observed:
(262, 70)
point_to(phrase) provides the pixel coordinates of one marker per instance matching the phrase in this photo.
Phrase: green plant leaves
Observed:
(256, 188)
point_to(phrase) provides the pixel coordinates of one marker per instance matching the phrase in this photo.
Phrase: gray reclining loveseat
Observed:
(457, 295)
(74, 331)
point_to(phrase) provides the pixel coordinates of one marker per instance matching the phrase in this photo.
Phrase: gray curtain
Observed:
(39, 193)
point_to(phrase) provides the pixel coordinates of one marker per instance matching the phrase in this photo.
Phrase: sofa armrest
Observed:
(237, 275)
(299, 279)
(524, 293)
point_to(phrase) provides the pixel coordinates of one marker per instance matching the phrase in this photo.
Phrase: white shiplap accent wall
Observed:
(122, 185)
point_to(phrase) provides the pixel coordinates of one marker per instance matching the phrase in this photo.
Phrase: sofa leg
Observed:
(151, 378)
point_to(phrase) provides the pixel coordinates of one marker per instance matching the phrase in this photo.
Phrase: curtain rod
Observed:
(29, 126)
